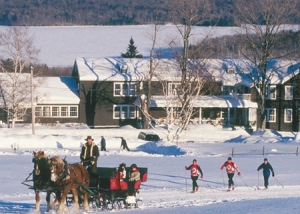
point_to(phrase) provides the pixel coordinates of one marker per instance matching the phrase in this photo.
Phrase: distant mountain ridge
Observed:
(98, 12)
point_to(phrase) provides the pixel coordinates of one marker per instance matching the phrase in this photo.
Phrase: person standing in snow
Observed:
(266, 166)
(230, 169)
(103, 144)
(195, 172)
(124, 144)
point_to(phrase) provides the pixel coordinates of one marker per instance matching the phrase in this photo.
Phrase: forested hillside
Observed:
(100, 12)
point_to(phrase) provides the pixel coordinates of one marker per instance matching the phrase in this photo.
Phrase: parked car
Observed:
(149, 136)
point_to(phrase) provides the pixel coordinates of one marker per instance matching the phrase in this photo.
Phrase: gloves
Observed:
(185, 167)
(201, 176)
(257, 169)
(273, 174)
(92, 158)
(239, 173)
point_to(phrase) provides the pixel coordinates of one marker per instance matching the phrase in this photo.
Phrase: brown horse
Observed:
(42, 180)
(69, 177)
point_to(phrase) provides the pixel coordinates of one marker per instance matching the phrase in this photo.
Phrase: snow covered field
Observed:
(60, 45)
(168, 187)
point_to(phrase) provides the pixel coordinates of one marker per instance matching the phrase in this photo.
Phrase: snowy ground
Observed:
(168, 187)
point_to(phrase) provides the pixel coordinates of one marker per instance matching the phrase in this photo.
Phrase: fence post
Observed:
(263, 150)
(297, 151)
(232, 152)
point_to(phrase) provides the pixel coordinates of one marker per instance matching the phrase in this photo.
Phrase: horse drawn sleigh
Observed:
(71, 184)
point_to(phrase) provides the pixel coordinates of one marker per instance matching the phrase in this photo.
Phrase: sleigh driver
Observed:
(89, 156)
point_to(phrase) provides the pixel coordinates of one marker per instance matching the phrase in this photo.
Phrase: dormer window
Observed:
(231, 70)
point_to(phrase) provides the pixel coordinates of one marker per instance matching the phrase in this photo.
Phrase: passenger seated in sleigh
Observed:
(134, 180)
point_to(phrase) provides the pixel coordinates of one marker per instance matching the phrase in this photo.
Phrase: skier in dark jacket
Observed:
(266, 166)
(195, 172)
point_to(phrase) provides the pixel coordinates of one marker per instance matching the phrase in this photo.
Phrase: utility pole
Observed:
(32, 106)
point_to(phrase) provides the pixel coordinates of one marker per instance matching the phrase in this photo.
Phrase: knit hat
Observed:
(229, 158)
(194, 160)
(266, 159)
(133, 166)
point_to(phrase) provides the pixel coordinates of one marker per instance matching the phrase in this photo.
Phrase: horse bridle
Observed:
(36, 165)
(60, 176)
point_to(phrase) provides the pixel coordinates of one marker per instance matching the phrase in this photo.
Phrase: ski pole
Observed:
(278, 182)
(223, 178)
(185, 180)
(244, 182)
(257, 179)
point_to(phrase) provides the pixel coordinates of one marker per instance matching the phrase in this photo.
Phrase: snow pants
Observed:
(266, 181)
(230, 179)
(194, 179)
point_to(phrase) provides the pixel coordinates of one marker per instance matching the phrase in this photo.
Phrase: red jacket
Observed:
(230, 167)
(195, 170)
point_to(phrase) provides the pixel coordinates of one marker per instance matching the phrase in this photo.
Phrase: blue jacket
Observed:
(266, 169)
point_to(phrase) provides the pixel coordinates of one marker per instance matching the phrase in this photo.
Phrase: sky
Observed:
(168, 187)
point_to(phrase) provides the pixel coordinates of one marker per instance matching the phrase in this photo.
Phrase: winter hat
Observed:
(194, 160)
(133, 166)
(229, 158)
(266, 159)
(89, 137)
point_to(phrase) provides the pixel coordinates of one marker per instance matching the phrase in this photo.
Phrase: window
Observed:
(124, 112)
(288, 115)
(271, 92)
(288, 92)
(56, 111)
(125, 89)
(271, 115)
(175, 88)
(230, 70)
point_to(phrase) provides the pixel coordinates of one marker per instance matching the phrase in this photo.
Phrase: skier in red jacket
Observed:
(195, 172)
(230, 169)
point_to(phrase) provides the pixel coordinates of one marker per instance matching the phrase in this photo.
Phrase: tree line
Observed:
(106, 12)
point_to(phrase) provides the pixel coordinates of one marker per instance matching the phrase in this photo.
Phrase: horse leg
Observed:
(75, 196)
(62, 207)
(85, 200)
(37, 200)
(48, 201)
(57, 199)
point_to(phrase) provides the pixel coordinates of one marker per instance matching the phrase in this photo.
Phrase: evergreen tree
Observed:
(131, 51)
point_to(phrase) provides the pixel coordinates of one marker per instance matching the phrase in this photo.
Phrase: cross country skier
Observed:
(195, 172)
(266, 166)
(230, 169)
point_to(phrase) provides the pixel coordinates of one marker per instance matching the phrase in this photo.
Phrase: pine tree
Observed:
(131, 51)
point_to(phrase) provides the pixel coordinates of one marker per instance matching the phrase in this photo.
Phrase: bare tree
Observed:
(262, 22)
(186, 14)
(145, 93)
(18, 52)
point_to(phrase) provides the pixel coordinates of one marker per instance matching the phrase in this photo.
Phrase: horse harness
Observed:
(65, 172)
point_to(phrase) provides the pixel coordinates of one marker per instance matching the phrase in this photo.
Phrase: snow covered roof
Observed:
(230, 72)
(203, 101)
(120, 69)
(282, 70)
(57, 90)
